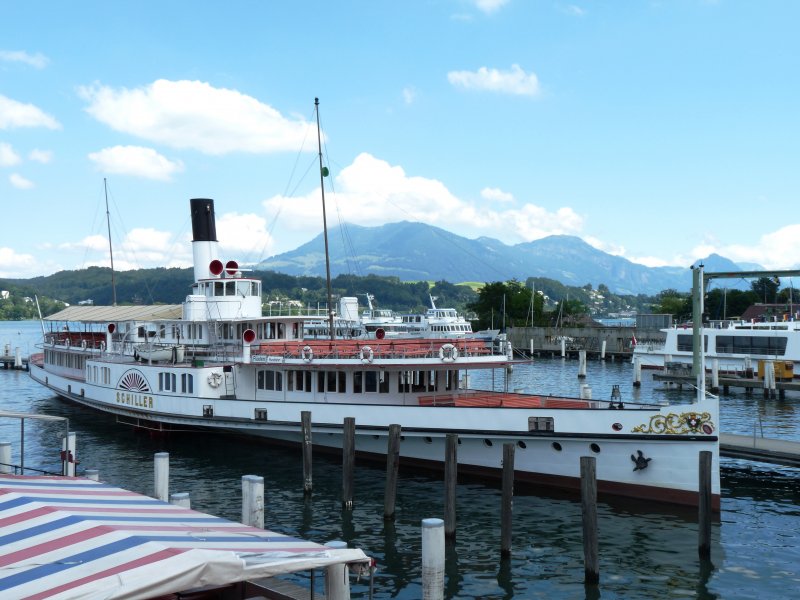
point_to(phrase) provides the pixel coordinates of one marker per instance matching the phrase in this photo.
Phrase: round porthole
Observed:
(617, 427)
(595, 448)
(487, 442)
(522, 444)
(556, 446)
(428, 439)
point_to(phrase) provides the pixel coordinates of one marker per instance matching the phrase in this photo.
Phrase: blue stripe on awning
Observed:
(69, 562)
(39, 529)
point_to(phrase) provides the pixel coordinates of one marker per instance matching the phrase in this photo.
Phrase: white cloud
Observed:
(14, 264)
(8, 158)
(141, 248)
(775, 250)
(241, 234)
(409, 95)
(371, 192)
(489, 6)
(19, 182)
(41, 156)
(38, 60)
(196, 115)
(516, 81)
(135, 161)
(16, 114)
(574, 10)
(497, 195)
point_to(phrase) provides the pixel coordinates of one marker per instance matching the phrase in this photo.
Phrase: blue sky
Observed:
(660, 131)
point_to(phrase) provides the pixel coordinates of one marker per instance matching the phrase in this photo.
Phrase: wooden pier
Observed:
(13, 361)
(726, 383)
(750, 447)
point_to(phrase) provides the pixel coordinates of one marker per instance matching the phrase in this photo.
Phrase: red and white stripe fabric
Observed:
(64, 537)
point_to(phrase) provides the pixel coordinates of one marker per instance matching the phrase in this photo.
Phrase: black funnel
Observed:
(204, 228)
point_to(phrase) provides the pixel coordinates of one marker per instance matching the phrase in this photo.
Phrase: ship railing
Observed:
(368, 350)
(489, 399)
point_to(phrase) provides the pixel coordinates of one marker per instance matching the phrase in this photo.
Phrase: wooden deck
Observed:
(502, 400)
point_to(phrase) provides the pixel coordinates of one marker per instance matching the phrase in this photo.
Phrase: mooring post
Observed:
(161, 466)
(5, 458)
(305, 419)
(563, 348)
(715, 376)
(450, 478)
(637, 372)
(69, 454)
(432, 559)
(253, 501)
(589, 509)
(581, 364)
(181, 499)
(337, 580)
(92, 474)
(704, 505)
(507, 507)
(392, 468)
(348, 460)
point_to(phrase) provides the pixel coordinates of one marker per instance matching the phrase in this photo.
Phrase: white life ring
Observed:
(448, 353)
(102, 346)
(214, 379)
(83, 344)
(366, 354)
(307, 354)
(66, 342)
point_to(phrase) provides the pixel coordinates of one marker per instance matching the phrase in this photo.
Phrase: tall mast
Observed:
(323, 172)
(110, 250)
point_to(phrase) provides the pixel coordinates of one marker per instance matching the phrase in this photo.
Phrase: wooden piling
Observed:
(450, 478)
(589, 509)
(348, 460)
(581, 364)
(392, 468)
(506, 510)
(704, 505)
(69, 454)
(181, 499)
(603, 351)
(161, 481)
(433, 559)
(637, 372)
(305, 420)
(5, 458)
(253, 501)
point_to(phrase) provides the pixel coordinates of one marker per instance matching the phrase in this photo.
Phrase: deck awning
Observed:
(111, 314)
(65, 537)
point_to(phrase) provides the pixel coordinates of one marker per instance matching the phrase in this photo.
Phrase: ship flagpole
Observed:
(323, 172)
(110, 249)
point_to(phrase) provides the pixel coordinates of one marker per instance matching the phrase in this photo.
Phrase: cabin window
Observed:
(230, 288)
(370, 381)
(254, 291)
(243, 288)
(744, 344)
(219, 288)
(270, 380)
(302, 380)
(541, 424)
(167, 382)
(187, 383)
(685, 343)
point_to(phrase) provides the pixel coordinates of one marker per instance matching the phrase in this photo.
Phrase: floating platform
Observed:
(749, 447)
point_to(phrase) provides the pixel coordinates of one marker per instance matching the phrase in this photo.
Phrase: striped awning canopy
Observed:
(64, 537)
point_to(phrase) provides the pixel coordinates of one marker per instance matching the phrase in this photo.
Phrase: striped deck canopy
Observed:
(66, 537)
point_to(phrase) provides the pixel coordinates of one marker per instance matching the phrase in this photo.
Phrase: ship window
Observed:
(357, 382)
(370, 381)
(269, 380)
(230, 288)
(219, 289)
(167, 382)
(685, 343)
(541, 424)
(187, 383)
(254, 289)
(745, 344)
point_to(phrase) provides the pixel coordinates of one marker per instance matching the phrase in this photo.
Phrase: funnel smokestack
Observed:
(204, 238)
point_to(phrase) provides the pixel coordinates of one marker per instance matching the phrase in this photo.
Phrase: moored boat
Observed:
(251, 374)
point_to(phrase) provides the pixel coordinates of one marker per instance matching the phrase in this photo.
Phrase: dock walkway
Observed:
(781, 452)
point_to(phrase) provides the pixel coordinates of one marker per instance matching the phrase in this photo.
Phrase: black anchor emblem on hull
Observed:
(640, 461)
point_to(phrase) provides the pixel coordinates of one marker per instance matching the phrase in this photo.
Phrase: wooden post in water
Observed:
(305, 419)
(5, 458)
(181, 499)
(715, 376)
(563, 348)
(68, 454)
(589, 508)
(581, 364)
(450, 478)
(337, 580)
(506, 510)
(637, 372)
(348, 460)
(253, 501)
(603, 350)
(704, 505)
(392, 467)
(161, 466)
(432, 559)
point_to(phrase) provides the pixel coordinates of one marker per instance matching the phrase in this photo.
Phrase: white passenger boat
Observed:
(736, 345)
(250, 374)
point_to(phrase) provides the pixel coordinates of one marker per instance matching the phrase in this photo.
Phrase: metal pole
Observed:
(322, 172)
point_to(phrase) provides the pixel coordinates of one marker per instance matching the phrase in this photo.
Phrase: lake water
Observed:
(645, 552)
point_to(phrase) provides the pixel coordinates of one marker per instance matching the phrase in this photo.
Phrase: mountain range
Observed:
(415, 251)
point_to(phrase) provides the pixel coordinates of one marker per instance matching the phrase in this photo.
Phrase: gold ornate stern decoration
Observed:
(676, 424)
